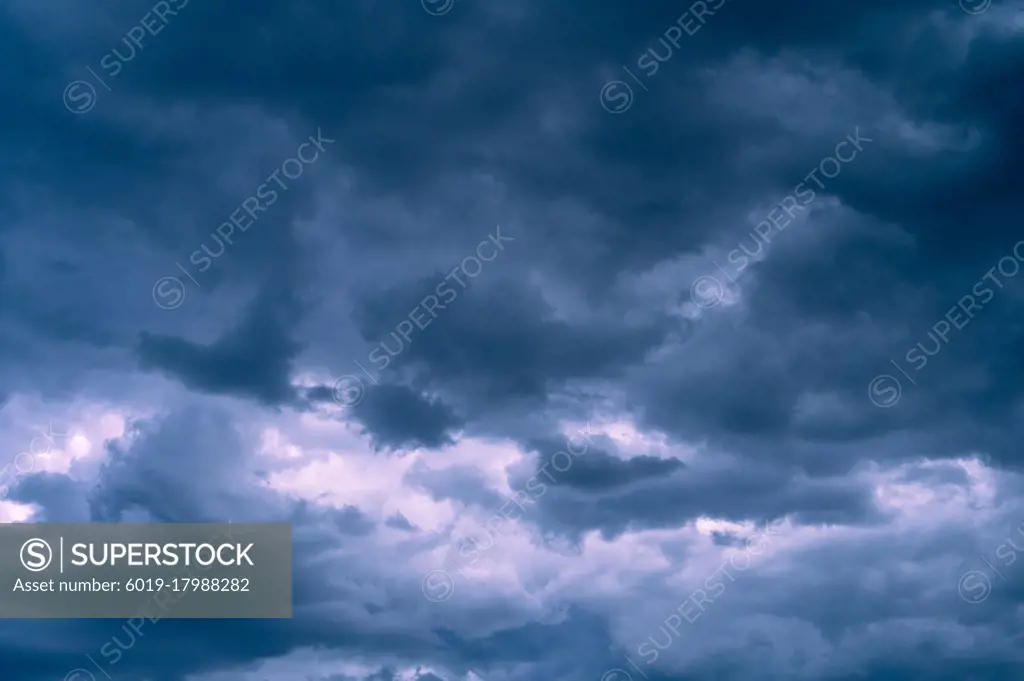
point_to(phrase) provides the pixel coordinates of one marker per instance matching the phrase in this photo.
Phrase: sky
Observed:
(591, 340)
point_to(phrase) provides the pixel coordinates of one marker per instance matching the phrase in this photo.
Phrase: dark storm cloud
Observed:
(61, 500)
(679, 495)
(501, 347)
(598, 470)
(400, 522)
(398, 418)
(253, 360)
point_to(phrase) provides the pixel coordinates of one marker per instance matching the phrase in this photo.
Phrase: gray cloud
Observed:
(754, 407)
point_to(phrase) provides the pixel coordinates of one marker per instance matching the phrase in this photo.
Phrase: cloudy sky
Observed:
(590, 340)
